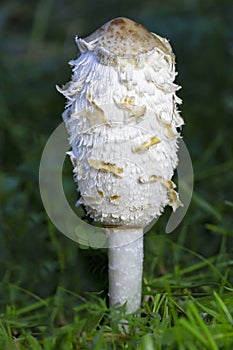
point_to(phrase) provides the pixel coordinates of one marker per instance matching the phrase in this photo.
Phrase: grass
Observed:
(177, 313)
(186, 307)
(53, 293)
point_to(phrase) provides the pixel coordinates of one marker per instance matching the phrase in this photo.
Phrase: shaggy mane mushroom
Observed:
(122, 118)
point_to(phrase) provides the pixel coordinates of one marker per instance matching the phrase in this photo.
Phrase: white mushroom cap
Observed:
(122, 119)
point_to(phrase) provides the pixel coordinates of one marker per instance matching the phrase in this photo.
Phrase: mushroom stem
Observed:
(125, 267)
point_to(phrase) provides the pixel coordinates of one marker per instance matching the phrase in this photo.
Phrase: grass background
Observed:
(53, 293)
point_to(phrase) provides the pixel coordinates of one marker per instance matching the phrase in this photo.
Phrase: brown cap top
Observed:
(124, 37)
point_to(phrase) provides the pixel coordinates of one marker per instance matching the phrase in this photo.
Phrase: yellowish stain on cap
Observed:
(105, 167)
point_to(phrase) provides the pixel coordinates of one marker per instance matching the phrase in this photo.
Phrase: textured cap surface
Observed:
(122, 36)
(122, 119)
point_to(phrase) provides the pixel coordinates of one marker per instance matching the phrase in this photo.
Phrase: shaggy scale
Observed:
(122, 119)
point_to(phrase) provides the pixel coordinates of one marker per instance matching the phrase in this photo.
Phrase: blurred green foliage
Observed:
(36, 42)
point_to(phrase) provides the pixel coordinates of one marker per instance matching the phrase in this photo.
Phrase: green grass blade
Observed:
(222, 306)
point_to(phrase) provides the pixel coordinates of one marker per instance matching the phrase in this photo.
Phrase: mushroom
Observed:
(122, 120)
